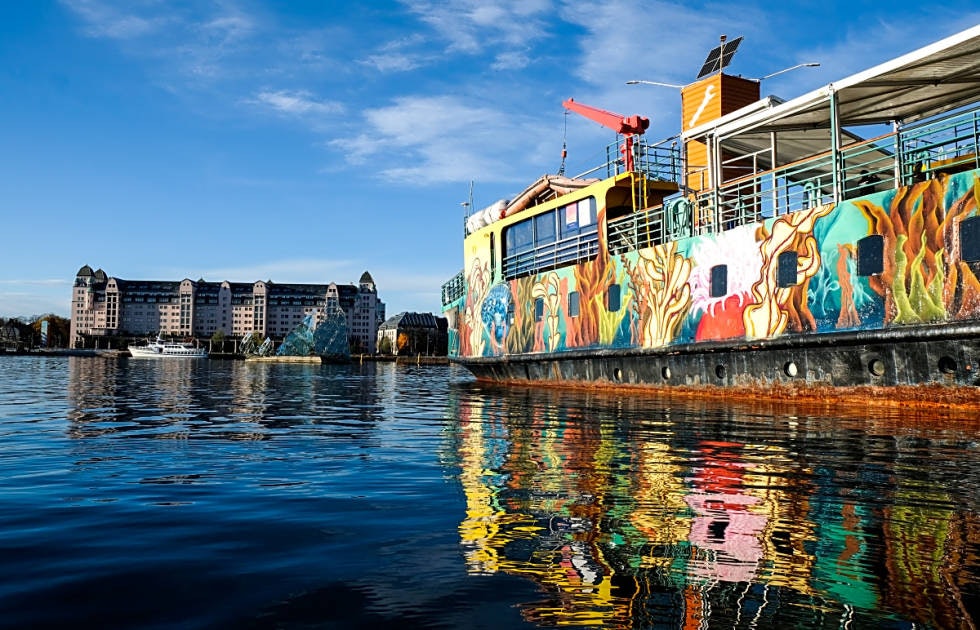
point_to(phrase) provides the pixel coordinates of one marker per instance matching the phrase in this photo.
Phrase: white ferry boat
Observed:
(161, 348)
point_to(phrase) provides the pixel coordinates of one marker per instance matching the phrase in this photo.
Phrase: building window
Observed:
(787, 269)
(538, 309)
(871, 255)
(573, 304)
(970, 239)
(719, 281)
(612, 298)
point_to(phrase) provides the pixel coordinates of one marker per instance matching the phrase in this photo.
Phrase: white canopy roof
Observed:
(937, 78)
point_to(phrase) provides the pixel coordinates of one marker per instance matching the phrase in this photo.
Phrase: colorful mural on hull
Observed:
(664, 295)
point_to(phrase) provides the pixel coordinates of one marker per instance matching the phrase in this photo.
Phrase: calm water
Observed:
(225, 494)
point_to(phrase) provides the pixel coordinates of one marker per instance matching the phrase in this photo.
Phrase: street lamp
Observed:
(660, 83)
(810, 64)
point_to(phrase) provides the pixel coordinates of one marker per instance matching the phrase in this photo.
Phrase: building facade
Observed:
(414, 333)
(105, 306)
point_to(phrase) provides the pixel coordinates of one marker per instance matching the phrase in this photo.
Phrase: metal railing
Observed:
(944, 144)
(934, 145)
(660, 161)
(454, 289)
(551, 255)
(652, 227)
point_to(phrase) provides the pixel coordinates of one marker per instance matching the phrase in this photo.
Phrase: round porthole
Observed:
(790, 369)
(876, 367)
(720, 371)
(665, 372)
(947, 365)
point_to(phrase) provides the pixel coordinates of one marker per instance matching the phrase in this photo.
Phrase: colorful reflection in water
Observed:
(633, 512)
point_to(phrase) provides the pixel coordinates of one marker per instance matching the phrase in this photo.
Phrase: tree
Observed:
(218, 340)
(384, 346)
(58, 329)
(402, 342)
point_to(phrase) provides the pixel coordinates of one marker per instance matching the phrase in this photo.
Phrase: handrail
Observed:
(454, 289)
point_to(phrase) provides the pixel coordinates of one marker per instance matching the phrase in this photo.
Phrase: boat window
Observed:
(573, 304)
(544, 228)
(538, 309)
(577, 217)
(510, 313)
(612, 298)
(970, 239)
(519, 237)
(787, 269)
(719, 281)
(553, 238)
(871, 255)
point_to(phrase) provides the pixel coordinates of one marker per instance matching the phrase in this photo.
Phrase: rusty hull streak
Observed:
(956, 401)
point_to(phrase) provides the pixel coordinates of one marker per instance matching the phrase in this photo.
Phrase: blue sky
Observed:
(309, 141)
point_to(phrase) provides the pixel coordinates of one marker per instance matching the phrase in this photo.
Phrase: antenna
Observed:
(719, 57)
(564, 147)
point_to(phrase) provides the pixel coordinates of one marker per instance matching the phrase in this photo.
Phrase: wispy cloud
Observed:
(474, 26)
(105, 20)
(431, 139)
(296, 103)
(661, 41)
(194, 43)
(400, 55)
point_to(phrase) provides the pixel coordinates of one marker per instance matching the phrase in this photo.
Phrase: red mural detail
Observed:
(724, 321)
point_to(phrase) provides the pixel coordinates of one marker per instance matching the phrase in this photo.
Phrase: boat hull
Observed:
(940, 355)
(138, 352)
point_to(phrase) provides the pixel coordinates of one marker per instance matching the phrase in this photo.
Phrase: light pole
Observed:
(809, 64)
(658, 83)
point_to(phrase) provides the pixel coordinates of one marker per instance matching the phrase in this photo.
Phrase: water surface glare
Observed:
(204, 494)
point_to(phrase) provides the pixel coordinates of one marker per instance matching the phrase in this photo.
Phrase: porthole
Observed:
(720, 371)
(790, 369)
(876, 367)
(947, 365)
(618, 375)
(665, 372)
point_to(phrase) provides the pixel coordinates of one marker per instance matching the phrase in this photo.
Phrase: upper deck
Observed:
(774, 157)
(912, 118)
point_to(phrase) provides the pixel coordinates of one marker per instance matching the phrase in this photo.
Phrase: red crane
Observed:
(628, 126)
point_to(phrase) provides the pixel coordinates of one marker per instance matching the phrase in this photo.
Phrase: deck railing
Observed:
(937, 144)
(948, 143)
(552, 255)
(454, 289)
(660, 161)
(942, 144)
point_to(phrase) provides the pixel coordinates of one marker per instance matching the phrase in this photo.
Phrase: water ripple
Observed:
(229, 494)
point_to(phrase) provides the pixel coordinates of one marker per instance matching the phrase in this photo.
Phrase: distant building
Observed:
(414, 333)
(104, 306)
(10, 337)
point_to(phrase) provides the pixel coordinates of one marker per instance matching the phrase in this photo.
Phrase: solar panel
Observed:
(719, 57)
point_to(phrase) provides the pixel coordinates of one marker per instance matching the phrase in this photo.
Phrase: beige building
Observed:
(105, 306)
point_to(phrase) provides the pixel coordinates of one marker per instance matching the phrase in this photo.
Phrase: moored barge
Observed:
(771, 244)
